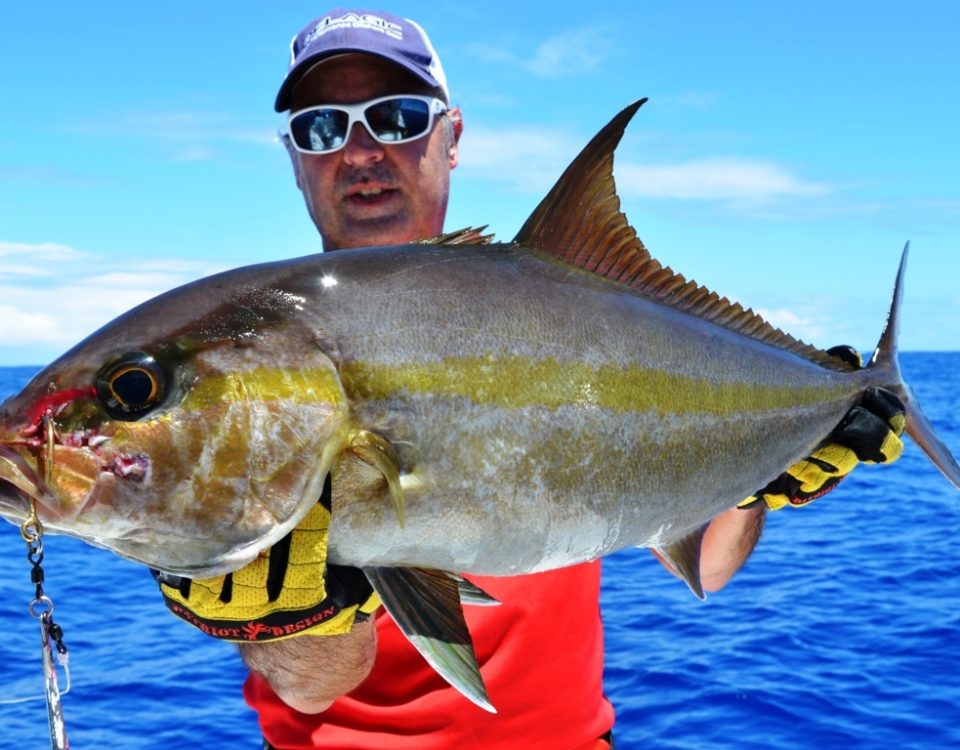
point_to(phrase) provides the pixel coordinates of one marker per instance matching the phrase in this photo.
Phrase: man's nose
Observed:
(361, 147)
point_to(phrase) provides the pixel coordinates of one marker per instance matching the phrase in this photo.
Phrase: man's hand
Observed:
(870, 432)
(288, 591)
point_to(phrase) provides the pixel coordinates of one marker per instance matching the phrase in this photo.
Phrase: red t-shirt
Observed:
(541, 656)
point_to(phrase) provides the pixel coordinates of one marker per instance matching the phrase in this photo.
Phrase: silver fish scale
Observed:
(555, 484)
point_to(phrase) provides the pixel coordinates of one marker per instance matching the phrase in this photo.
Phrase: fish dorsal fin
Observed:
(580, 223)
(465, 236)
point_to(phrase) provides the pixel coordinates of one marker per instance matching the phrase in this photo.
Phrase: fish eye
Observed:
(132, 386)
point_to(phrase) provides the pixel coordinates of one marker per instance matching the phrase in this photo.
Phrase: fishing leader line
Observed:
(41, 608)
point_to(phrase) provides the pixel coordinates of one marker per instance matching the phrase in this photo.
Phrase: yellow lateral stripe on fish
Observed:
(518, 382)
(309, 386)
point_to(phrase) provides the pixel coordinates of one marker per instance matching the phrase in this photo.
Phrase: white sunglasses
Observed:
(325, 128)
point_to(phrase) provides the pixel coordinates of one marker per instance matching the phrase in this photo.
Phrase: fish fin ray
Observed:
(426, 607)
(580, 223)
(377, 451)
(465, 236)
(472, 594)
(683, 557)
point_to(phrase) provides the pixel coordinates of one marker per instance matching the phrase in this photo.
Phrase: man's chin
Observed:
(375, 230)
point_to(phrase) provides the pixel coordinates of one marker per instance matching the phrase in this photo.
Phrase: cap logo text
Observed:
(366, 21)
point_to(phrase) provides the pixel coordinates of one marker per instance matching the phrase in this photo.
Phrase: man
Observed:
(373, 140)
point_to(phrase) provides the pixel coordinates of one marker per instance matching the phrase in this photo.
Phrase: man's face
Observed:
(368, 193)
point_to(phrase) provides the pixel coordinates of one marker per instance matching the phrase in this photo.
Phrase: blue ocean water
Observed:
(843, 630)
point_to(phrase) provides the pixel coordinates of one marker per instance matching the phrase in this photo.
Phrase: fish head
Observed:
(189, 446)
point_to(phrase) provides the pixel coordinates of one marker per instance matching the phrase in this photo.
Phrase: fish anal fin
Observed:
(683, 557)
(580, 223)
(426, 606)
(377, 451)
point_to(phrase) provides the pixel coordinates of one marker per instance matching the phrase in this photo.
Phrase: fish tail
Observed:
(884, 368)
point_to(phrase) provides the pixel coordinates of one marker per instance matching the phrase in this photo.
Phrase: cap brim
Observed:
(298, 71)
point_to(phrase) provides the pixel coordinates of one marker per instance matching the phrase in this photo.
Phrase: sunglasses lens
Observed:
(320, 129)
(398, 119)
(391, 120)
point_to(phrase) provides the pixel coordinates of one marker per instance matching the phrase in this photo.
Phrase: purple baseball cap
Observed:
(385, 35)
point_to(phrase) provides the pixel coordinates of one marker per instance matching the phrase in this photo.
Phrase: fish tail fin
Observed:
(884, 359)
(886, 367)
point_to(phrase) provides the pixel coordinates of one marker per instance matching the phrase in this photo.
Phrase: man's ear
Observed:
(456, 119)
(294, 158)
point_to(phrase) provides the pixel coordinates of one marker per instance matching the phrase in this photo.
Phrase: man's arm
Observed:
(306, 627)
(727, 543)
(309, 672)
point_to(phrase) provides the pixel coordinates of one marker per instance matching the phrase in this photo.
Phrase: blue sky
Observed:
(787, 153)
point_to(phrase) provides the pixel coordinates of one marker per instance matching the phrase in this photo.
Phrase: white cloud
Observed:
(718, 178)
(192, 135)
(40, 252)
(44, 173)
(568, 53)
(54, 295)
(571, 53)
(161, 122)
(799, 326)
(20, 270)
(194, 153)
(696, 99)
(21, 327)
(525, 158)
(530, 159)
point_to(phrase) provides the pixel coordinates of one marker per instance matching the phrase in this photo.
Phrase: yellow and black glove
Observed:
(869, 432)
(288, 591)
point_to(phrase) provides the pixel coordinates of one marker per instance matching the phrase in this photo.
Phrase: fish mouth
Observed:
(16, 471)
(19, 486)
(59, 471)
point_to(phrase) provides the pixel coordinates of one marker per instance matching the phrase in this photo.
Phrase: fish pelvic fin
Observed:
(470, 593)
(377, 451)
(683, 558)
(426, 605)
(580, 223)
(886, 368)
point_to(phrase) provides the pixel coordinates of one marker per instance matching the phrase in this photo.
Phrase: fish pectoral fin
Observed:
(426, 606)
(377, 451)
(683, 557)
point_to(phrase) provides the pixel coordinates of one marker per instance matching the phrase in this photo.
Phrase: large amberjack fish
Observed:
(483, 408)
